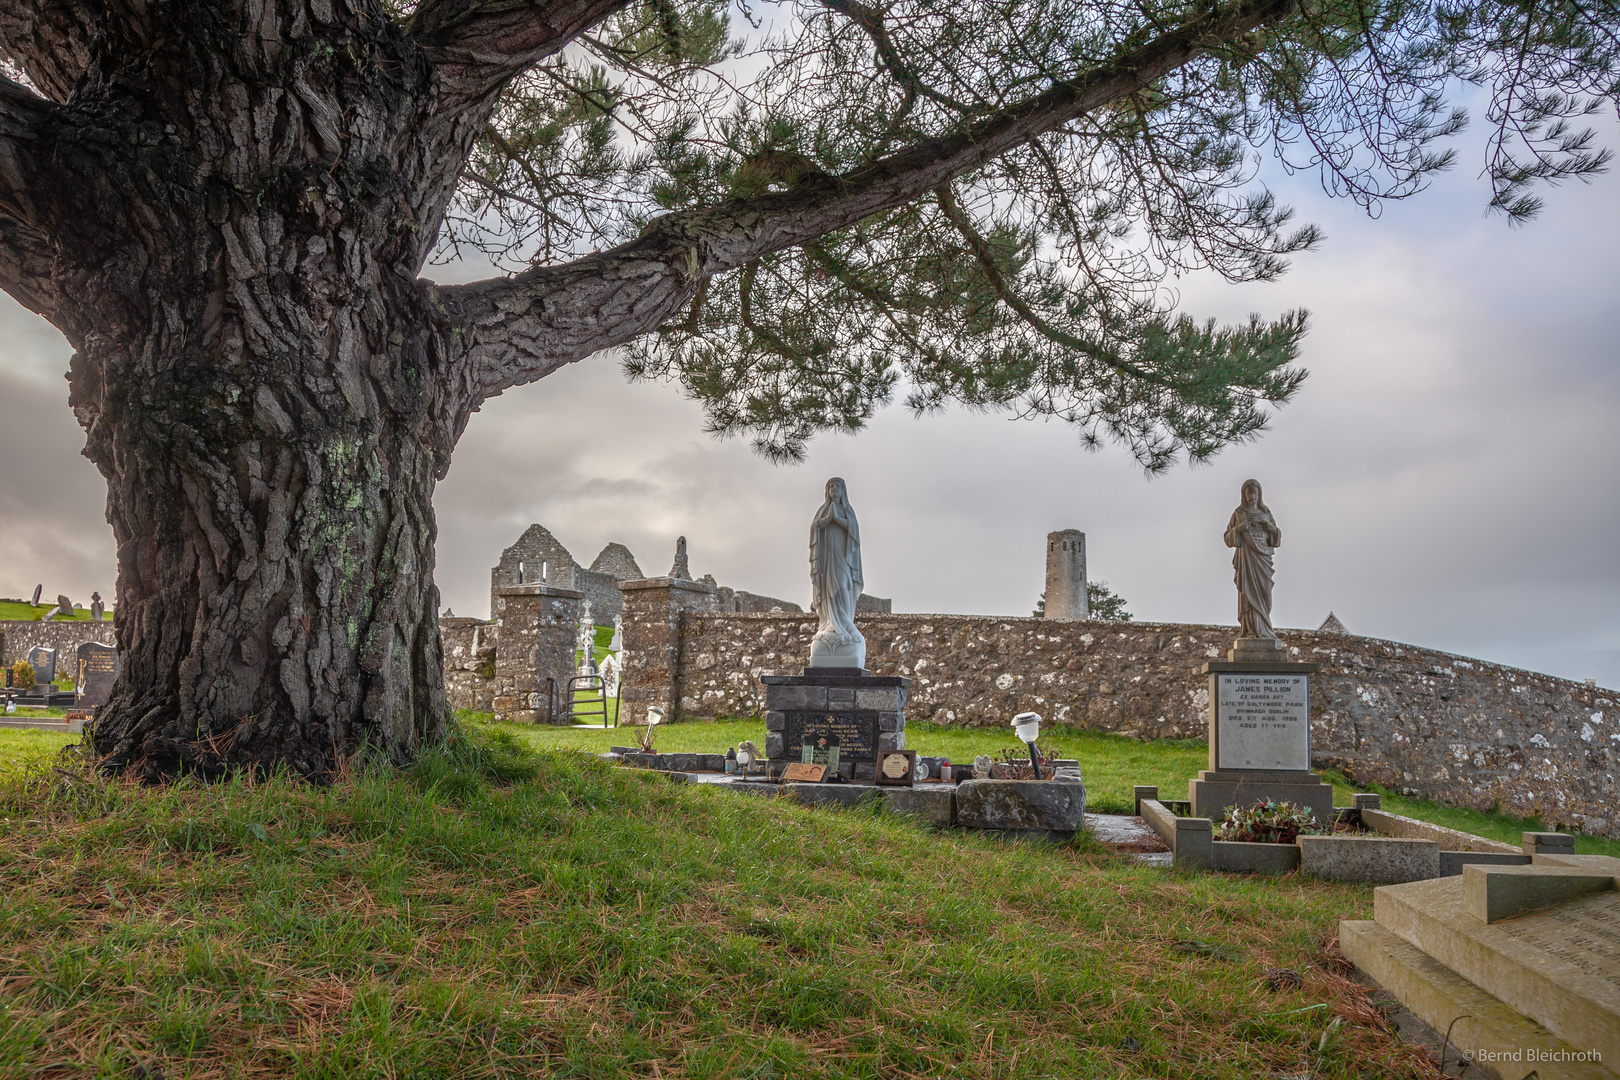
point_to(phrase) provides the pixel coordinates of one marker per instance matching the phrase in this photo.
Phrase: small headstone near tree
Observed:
(97, 667)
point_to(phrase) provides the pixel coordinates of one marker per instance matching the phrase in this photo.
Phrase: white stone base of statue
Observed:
(830, 649)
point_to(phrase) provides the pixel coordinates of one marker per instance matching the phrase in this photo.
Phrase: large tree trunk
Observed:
(273, 516)
(265, 386)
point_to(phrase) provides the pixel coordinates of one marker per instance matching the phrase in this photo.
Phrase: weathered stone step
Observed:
(1473, 1021)
(1559, 967)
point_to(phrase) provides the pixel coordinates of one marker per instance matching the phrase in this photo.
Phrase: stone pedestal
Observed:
(534, 653)
(866, 713)
(650, 662)
(1259, 740)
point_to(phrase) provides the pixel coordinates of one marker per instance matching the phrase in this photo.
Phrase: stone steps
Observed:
(1472, 1020)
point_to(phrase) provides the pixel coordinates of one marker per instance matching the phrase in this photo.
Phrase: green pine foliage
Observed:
(1036, 282)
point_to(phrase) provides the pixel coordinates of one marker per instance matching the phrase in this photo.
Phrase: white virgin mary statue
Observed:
(835, 582)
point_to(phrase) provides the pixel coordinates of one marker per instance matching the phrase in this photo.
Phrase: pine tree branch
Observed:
(518, 329)
(1008, 295)
(478, 46)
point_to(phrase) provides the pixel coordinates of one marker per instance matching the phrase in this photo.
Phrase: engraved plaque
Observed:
(1263, 721)
(854, 732)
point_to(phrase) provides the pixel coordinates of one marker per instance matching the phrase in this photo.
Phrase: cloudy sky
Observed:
(1446, 477)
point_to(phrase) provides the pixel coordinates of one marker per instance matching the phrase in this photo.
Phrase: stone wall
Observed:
(1428, 723)
(654, 610)
(602, 590)
(17, 636)
(534, 652)
(469, 662)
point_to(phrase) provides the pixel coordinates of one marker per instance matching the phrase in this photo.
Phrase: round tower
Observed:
(1066, 575)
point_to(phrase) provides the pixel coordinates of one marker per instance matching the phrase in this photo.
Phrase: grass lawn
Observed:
(23, 750)
(15, 609)
(506, 911)
(1112, 764)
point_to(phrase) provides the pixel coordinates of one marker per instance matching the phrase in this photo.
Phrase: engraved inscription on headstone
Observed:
(854, 732)
(97, 668)
(43, 661)
(1263, 721)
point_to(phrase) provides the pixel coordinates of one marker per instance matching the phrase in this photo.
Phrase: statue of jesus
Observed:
(835, 582)
(1253, 535)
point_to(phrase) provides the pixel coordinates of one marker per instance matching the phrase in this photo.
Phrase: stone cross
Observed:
(98, 610)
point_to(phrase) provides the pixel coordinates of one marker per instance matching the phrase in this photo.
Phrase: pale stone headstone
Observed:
(37, 590)
(97, 669)
(617, 644)
(98, 610)
(1262, 721)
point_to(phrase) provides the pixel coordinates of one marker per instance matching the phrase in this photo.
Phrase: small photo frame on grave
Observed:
(896, 768)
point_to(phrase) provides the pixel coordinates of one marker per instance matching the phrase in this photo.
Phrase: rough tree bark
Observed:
(224, 205)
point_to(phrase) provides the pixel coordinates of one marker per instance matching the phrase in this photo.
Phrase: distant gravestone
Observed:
(37, 590)
(43, 661)
(98, 610)
(62, 610)
(97, 669)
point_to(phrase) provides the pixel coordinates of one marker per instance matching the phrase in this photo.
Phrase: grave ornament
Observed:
(1253, 536)
(835, 582)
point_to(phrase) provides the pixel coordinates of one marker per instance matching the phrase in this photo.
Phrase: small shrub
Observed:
(1269, 823)
(22, 674)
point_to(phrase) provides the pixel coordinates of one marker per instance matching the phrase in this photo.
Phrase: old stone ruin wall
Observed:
(1427, 723)
(17, 636)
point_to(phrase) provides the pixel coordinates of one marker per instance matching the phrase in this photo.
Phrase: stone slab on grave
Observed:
(96, 670)
(1259, 740)
(1549, 953)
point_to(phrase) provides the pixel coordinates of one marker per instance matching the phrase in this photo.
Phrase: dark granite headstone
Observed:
(43, 661)
(855, 734)
(97, 668)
